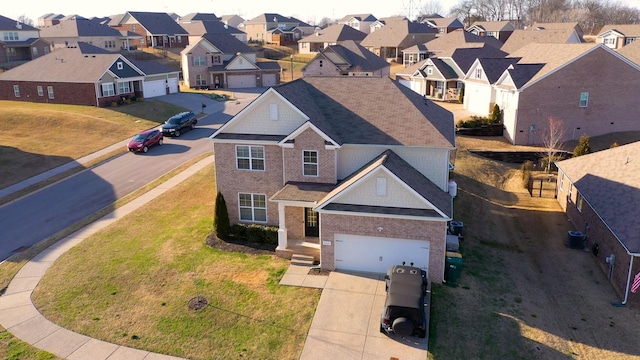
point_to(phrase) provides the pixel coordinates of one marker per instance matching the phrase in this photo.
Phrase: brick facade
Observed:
(64, 93)
(598, 233)
(309, 140)
(434, 231)
(600, 74)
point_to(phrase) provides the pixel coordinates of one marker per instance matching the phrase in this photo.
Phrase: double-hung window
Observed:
(250, 157)
(123, 88)
(199, 61)
(50, 92)
(579, 202)
(16, 90)
(108, 89)
(253, 207)
(310, 163)
(584, 99)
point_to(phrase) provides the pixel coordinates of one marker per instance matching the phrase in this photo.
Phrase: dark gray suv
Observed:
(404, 308)
(179, 123)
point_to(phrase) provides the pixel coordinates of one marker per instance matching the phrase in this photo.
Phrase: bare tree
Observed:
(430, 8)
(25, 20)
(552, 138)
(325, 21)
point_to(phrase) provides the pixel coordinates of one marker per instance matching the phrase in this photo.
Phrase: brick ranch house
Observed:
(354, 167)
(85, 75)
(600, 193)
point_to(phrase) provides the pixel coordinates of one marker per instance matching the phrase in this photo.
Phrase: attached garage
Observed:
(269, 80)
(375, 254)
(154, 88)
(241, 81)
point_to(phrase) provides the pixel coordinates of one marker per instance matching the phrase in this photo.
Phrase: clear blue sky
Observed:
(312, 11)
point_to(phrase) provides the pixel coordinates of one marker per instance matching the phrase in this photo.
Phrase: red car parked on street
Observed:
(144, 140)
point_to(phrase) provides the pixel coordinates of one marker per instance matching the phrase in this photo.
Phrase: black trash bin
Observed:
(455, 228)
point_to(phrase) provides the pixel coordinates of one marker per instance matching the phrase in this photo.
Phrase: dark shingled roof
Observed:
(609, 181)
(228, 44)
(522, 73)
(158, 23)
(76, 28)
(200, 16)
(7, 24)
(383, 111)
(357, 56)
(494, 68)
(199, 27)
(152, 67)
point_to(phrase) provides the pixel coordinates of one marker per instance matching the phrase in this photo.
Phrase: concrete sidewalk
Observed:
(21, 318)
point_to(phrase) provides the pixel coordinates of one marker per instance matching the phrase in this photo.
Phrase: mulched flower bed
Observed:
(241, 246)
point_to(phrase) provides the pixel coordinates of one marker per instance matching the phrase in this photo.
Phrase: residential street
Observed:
(41, 214)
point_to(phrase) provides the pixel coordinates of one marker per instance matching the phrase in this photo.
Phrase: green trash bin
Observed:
(453, 267)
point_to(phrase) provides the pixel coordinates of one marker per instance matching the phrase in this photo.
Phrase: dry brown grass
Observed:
(39, 137)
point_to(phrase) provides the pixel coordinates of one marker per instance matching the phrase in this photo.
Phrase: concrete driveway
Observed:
(346, 324)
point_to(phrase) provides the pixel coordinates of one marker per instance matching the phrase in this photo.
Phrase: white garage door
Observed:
(374, 254)
(154, 88)
(241, 81)
(174, 86)
(269, 80)
(477, 99)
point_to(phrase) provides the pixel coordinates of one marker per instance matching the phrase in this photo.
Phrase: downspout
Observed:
(626, 291)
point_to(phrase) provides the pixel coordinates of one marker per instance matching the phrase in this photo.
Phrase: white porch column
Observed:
(282, 229)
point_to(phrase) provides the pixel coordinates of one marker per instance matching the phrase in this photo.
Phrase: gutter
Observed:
(626, 290)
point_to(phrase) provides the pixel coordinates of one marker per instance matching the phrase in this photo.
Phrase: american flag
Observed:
(636, 283)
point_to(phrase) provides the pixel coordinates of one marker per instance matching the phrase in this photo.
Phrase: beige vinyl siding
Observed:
(288, 119)
(397, 195)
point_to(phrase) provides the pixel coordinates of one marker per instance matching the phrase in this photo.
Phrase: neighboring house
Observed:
(443, 25)
(618, 36)
(85, 75)
(70, 32)
(520, 38)
(20, 42)
(362, 179)
(199, 17)
(631, 52)
(480, 96)
(222, 61)
(49, 19)
(360, 22)
(232, 20)
(600, 193)
(378, 24)
(441, 77)
(332, 35)
(271, 28)
(571, 82)
(197, 28)
(500, 30)
(157, 29)
(347, 59)
(561, 26)
(389, 41)
(446, 43)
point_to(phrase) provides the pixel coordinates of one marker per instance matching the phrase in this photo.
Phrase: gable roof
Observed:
(403, 171)
(84, 63)
(78, 28)
(493, 25)
(359, 17)
(158, 23)
(460, 38)
(334, 33)
(153, 67)
(631, 51)
(14, 25)
(493, 68)
(269, 17)
(443, 22)
(465, 57)
(228, 44)
(609, 181)
(355, 56)
(559, 26)
(333, 108)
(394, 32)
(628, 30)
(520, 38)
(199, 16)
(201, 27)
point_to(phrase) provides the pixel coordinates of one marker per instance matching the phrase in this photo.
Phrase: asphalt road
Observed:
(35, 217)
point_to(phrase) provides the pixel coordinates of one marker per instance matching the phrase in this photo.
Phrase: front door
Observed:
(311, 223)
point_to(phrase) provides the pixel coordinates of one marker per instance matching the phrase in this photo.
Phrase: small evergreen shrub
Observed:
(221, 224)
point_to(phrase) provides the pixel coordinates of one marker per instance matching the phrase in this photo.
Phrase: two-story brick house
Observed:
(357, 167)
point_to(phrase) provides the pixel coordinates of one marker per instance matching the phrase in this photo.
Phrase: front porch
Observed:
(309, 246)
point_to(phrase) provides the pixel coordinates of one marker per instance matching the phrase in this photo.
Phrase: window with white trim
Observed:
(16, 90)
(569, 192)
(253, 207)
(609, 41)
(108, 89)
(199, 61)
(120, 65)
(46, 50)
(40, 91)
(10, 36)
(124, 88)
(50, 92)
(310, 163)
(584, 99)
(629, 40)
(561, 181)
(579, 202)
(250, 157)
(201, 80)
(34, 52)
(478, 73)
(429, 71)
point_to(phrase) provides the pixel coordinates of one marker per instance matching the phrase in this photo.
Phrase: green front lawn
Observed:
(131, 283)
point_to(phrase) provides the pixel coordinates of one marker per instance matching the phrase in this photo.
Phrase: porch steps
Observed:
(302, 260)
